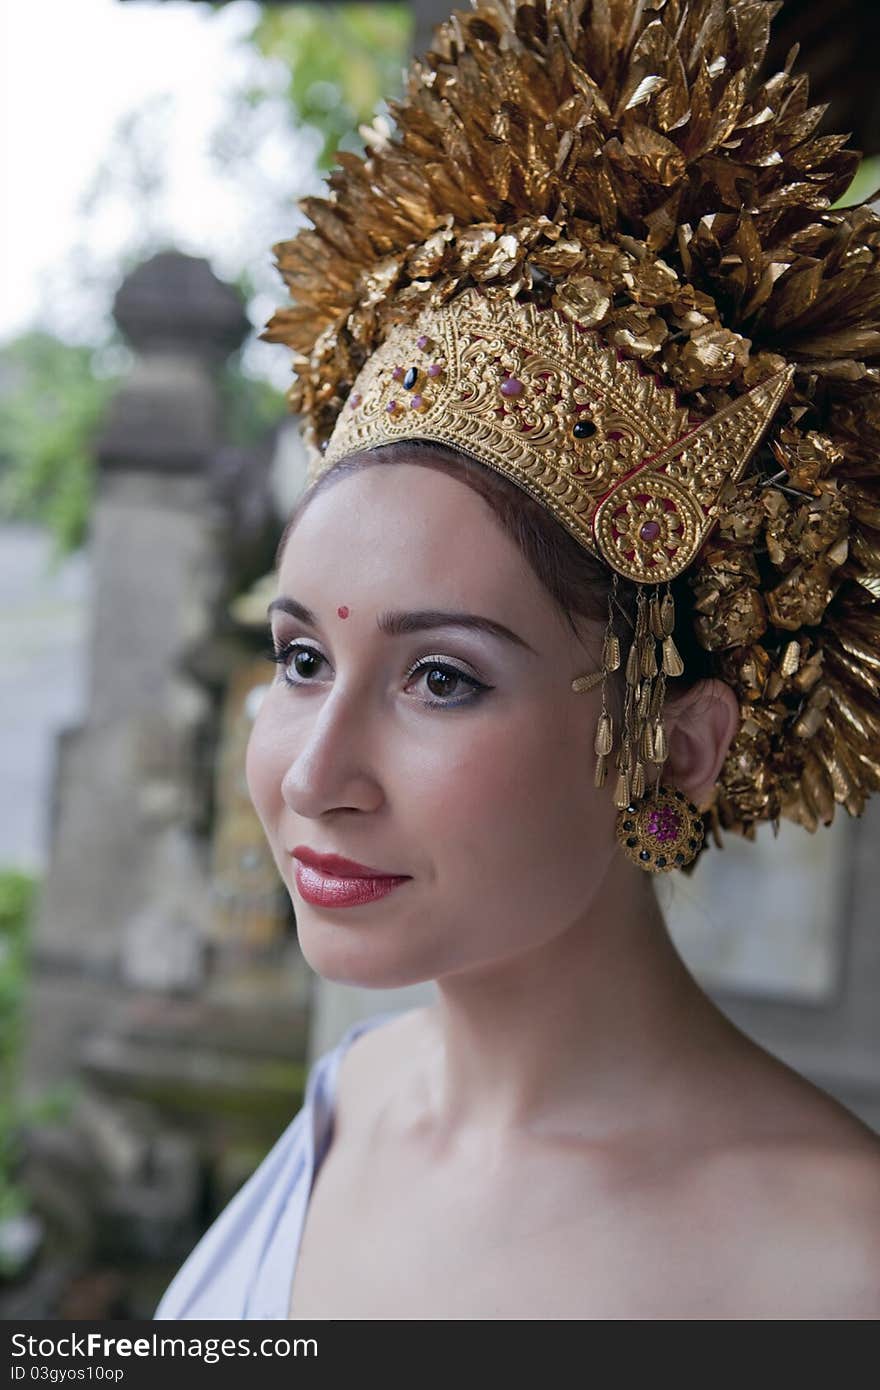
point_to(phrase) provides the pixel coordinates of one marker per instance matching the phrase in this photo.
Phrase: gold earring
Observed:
(658, 828)
(660, 831)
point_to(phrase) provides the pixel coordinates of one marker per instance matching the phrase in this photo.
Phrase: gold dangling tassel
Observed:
(657, 697)
(672, 662)
(656, 617)
(621, 792)
(667, 613)
(646, 744)
(603, 742)
(660, 748)
(633, 665)
(644, 705)
(611, 651)
(631, 729)
(638, 781)
(604, 734)
(582, 683)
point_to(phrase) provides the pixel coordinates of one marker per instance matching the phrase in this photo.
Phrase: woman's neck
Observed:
(591, 1028)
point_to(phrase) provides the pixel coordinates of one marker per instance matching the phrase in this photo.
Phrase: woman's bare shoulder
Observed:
(801, 1199)
(809, 1225)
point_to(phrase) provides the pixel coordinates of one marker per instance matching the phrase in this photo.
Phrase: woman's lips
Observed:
(329, 890)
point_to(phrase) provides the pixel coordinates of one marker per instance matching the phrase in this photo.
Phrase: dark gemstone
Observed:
(679, 796)
(698, 825)
(583, 429)
(679, 859)
(631, 842)
(411, 378)
(541, 279)
(661, 861)
(632, 808)
(628, 825)
(692, 844)
(645, 855)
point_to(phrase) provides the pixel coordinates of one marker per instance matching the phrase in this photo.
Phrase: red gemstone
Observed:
(511, 386)
(664, 824)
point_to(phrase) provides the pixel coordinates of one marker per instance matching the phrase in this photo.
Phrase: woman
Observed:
(525, 562)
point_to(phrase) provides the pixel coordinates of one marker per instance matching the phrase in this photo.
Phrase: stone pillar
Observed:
(122, 898)
(128, 1000)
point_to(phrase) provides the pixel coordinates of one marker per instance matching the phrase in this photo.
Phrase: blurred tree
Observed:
(52, 397)
(343, 61)
(325, 67)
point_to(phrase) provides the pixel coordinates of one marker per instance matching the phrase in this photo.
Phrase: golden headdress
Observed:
(599, 255)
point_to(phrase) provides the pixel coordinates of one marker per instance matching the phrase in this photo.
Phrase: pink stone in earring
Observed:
(664, 824)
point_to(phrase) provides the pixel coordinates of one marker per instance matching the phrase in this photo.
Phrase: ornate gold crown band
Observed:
(601, 443)
(608, 450)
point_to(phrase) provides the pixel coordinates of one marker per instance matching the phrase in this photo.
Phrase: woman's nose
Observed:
(333, 764)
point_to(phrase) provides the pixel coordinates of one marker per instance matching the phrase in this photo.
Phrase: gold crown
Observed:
(604, 445)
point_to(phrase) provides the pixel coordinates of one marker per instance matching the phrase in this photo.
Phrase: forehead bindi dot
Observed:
(343, 611)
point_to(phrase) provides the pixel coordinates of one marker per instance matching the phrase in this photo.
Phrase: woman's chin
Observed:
(362, 964)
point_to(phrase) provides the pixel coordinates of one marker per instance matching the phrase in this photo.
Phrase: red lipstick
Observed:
(329, 880)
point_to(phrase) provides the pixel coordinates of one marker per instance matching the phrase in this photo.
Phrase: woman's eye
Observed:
(299, 664)
(296, 657)
(442, 680)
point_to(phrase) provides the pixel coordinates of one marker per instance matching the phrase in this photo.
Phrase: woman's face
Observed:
(474, 780)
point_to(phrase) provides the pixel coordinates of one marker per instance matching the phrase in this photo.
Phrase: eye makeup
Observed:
(431, 665)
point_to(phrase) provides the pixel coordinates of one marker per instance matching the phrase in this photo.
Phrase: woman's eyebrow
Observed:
(396, 622)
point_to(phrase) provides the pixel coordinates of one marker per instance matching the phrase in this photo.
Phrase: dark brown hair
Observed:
(577, 581)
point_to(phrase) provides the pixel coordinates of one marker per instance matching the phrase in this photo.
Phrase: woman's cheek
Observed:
(263, 771)
(503, 776)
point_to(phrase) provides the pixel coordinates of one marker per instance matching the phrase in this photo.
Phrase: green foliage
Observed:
(343, 61)
(251, 406)
(865, 183)
(18, 895)
(51, 404)
(17, 892)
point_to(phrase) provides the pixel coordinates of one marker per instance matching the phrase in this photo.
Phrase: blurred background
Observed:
(157, 1020)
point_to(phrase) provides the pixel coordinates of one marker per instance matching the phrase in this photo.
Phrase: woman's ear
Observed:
(701, 724)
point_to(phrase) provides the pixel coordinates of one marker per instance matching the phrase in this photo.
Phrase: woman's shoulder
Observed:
(796, 1190)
